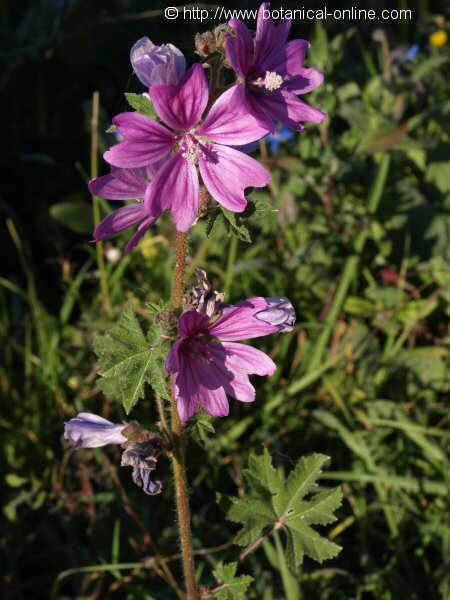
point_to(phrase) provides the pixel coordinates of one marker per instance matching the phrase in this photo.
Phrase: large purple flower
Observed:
(206, 362)
(125, 184)
(157, 64)
(225, 171)
(270, 72)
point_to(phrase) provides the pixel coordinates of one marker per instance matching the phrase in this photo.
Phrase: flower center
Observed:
(190, 147)
(272, 81)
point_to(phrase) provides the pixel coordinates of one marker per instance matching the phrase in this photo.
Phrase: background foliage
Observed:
(359, 206)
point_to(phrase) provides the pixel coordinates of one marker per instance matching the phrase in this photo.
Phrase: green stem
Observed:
(96, 201)
(178, 452)
(351, 266)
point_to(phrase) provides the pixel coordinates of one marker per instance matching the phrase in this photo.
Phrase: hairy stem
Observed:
(95, 201)
(178, 453)
(350, 267)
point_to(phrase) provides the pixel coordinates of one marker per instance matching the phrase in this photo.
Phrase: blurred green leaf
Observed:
(75, 215)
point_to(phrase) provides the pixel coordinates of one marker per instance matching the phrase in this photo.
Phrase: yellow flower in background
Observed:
(148, 248)
(439, 20)
(438, 38)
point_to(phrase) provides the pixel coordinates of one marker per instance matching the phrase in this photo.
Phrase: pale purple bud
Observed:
(143, 456)
(91, 431)
(279, 312)
(157, 64)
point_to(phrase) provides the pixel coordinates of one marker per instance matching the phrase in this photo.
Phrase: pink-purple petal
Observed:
(146, 141)
(241, 357)
(228, 122)
(239, 323)
(175, 187)
(141, 231)
(181, 106)
(120, 219)
(184, 388)
(226, 173)
(190, 322)
(270, 38)
(239, 48)
(120, 184)
(305, 82)
(285, 107)
(185, 187)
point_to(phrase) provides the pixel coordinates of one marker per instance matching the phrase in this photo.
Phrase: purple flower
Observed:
(91, 431)
(281, 134)
(125, 184)
(157, 64)
(226, 172)
(270, 72)
(207, 364)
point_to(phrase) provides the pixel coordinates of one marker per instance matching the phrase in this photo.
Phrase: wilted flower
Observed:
(91, 431)
(203, 298)
(125, 184)
(270, 72)
(207, 364)
(157, 64)
(225, 171)
(141, 447)
(143, 456)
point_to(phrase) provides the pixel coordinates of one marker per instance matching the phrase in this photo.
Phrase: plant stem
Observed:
(95, 200)
(178, 453)
(351, 265)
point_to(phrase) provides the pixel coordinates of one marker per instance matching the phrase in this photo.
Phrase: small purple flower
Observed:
(279, 312)
(225, 171)
(412, 52)
(157, 64)
(91, 431)
(125, 184)
(281, 134)
(207, 364)
(270, 72)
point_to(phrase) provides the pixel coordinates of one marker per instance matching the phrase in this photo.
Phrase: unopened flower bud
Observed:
(91, 431)
(204, 43)
(212, 41)
(153, 64)
(279, 312)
